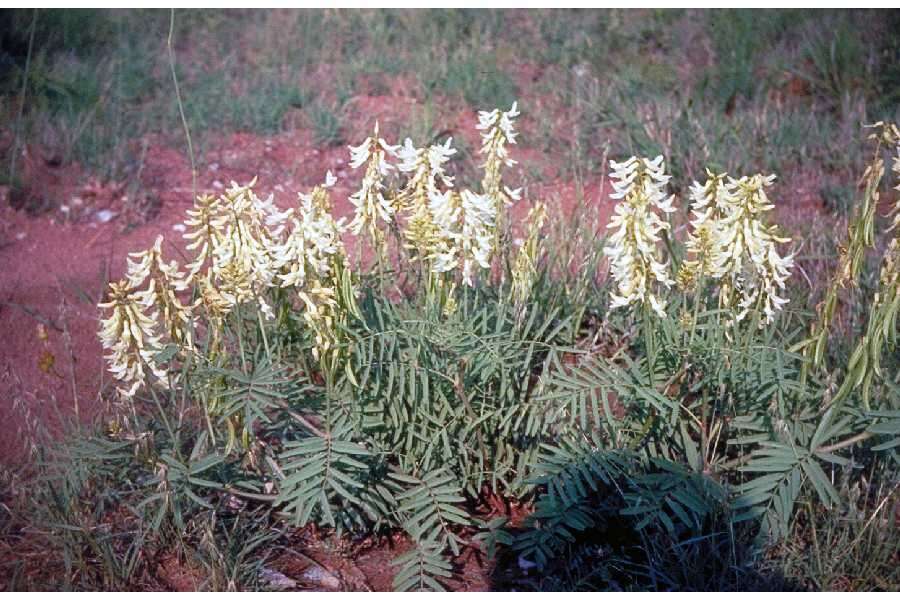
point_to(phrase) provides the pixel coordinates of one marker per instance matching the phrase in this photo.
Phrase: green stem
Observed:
(262, 330)
(187, 131)
(240, 327)
(650, 344)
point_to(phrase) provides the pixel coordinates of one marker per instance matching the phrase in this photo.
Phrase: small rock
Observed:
(316, 575)
(526, 564)
(21, 236)
(279, 188)
(235, 503)
(213, 167)
(179, 227)
(64, 208)
(276, 579)
(77, 201)
(105, 215)
(218, 184)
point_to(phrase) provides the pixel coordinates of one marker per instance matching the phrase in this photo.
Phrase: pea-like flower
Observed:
(314, 240)
(243, 260)
(476, 239)
(497, 131)
(130, 336)
(704, 241)
(427, 176)
(446, 211)
(371, 204)
(633, 249)
(525, 266)
(203, 234)
(466, 223)
(753, 272)
(164, 280)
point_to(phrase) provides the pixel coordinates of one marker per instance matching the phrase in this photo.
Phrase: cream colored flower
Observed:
(243, 263)
(466, 223)
(203, 234)
(633, 249)
(313, 242)
(163, 281)
(476, 238)
(525, 266)
(130, 336)
(703, 243)
(753, 271)
(370, 202)
(427, 175)
(446, 210)
(496, 132)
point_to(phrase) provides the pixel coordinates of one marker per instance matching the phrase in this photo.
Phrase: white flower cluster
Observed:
(164, 280)
(370, 202)
(476, 234)
(314, 240)
(130, 336)
(497, 131)
(426, 166)
(243, 265)
(704, 242)
(637, 269)
(427, 176)
(245, 246)
(465, 222)
(730, 242)
(449, 228)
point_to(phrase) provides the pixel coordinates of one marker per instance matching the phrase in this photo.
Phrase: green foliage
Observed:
(420, 567)
(480, 81)
(430, 512)
(321, 475)
(837, 63)
(326, 124)
(741, 38)
(453, 392)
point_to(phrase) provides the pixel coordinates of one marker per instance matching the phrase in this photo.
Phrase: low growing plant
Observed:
(441, 365)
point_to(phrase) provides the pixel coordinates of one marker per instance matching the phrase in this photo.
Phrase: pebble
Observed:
(526, 564)
(218, 184)
(276, 579)
(179, 227)
(105, 215)
(316, 575)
